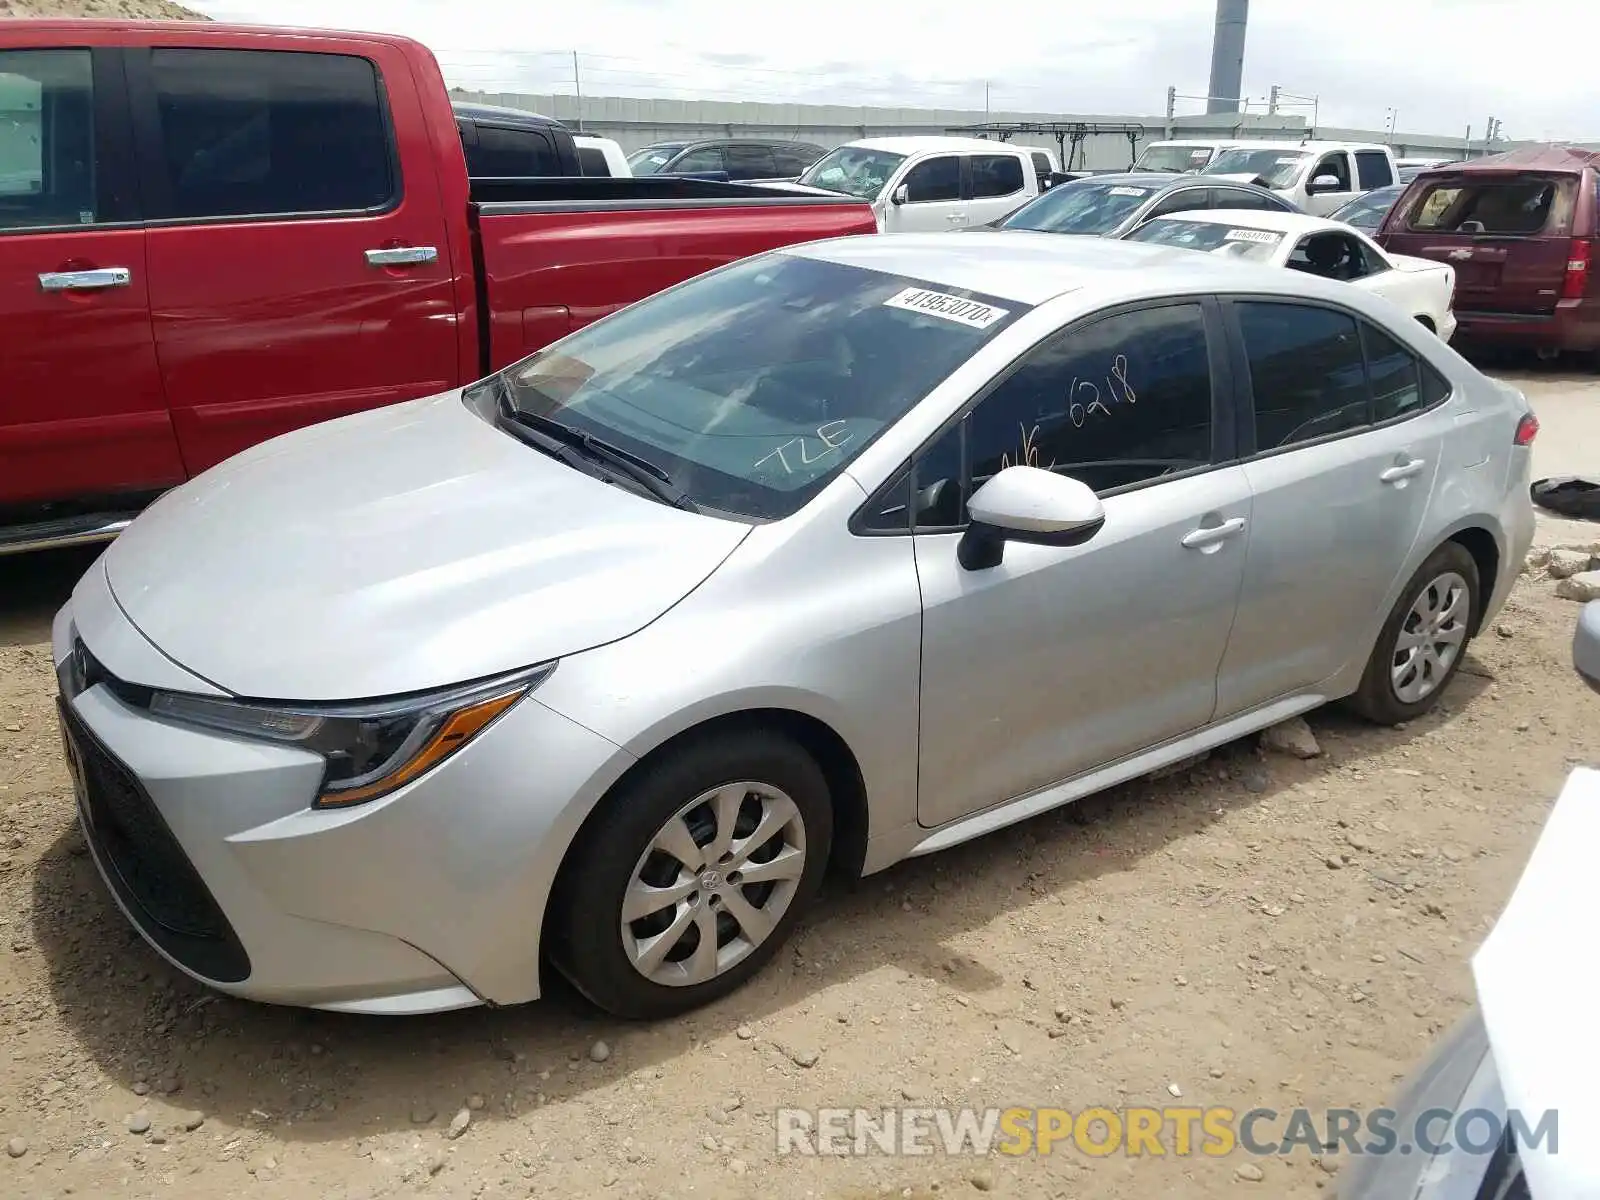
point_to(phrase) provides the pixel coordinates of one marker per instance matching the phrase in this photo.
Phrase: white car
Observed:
(931, 184)
(1331, 249)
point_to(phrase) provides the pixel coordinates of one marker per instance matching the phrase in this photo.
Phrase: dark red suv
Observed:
(1520, 230)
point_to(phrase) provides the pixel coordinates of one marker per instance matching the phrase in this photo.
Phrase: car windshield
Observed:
(1233, 241)
(1276, 168)
(753, 386)
(651, 159)
(1367, 211)
(854, 171)
(1173, 158)
(1083, 206)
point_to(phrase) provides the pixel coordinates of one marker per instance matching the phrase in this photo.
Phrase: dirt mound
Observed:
(128, 10)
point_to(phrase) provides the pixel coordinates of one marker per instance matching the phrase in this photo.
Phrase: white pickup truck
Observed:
(932, 184)
(1316, 177)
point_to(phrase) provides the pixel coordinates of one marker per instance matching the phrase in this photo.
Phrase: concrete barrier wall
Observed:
(637, 122)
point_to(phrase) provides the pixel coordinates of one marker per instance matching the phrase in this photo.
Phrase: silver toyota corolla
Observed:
(837, 555)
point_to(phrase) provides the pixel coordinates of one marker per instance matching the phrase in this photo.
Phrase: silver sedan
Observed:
(834, 556)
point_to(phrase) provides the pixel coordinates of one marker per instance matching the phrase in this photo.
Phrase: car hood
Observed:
(397, 550)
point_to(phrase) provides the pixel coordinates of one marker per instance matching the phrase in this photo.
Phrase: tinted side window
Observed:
(1395, 373)
(1307, 374)
(1372, 168)
(47, 167)
(592, 161)
(706, 158)
(1335, 164)
(503, 152)
(1239, 198)
(793, 160)
(1182, 200)
(934, 179)
(271, 132)
(996, 175)
(748, 160)
(1041, 165)
(1118, 401)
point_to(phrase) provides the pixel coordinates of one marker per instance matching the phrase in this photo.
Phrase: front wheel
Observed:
(693, 875)
(1422, 643)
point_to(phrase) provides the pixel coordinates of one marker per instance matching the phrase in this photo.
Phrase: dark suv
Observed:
(735, 158)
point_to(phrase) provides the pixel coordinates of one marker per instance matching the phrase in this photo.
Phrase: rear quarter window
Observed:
(1511, 206)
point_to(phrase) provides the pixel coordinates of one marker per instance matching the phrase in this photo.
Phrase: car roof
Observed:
(497, 112)
(1281, 222)
(1031, 267)
(691, 143)
(923, 143)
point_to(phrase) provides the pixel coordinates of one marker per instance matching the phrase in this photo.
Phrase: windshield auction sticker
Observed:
(1265, 236)
(971, 313)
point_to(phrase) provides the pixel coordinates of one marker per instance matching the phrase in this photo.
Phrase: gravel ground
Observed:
(1257, 930)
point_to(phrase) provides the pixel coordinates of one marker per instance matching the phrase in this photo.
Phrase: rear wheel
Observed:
(694, 874)
(1422, 643)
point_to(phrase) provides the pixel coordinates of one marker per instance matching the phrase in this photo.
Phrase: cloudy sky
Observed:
(1442, 64)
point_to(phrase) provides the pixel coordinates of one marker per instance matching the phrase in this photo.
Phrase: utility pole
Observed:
(986, 100)
(1172, 109)
(577, 87)
(1394, 114)
(1272, 101)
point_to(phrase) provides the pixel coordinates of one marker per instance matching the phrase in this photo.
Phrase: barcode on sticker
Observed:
(1265, 236)
(1198, 153)
(1127, 191)
(1293, 158)
(972, 313)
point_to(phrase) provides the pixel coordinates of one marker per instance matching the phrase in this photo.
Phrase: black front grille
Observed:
(144, 863)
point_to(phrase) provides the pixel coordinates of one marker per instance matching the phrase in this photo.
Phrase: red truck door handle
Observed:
(402, 256)
(85, 281)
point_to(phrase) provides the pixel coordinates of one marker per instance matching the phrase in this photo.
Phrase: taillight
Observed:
(1577, 280)
(1527, 430)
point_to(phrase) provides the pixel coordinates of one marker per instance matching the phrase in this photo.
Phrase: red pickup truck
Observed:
(210, 235)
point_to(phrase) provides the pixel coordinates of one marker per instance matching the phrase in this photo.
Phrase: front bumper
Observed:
(428, 899)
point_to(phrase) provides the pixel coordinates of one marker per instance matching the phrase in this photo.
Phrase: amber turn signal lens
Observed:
(459, 728)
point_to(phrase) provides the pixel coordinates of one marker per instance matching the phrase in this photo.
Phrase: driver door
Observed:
(1060, 660)
(932, 202)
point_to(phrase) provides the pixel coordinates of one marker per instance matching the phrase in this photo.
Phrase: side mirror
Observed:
(1324, 183)
(900, 195)
(1586, 644)
(1027, 504)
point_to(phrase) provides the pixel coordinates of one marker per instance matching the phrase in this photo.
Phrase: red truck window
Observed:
(270, 133)
(47, 175)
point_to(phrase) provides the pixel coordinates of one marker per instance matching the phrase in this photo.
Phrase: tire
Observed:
(1389, 694)
(687, 789)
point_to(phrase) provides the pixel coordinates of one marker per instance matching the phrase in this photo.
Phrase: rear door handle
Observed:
(402, 256)
(1208, 536)
(1403, 471)
(85, 281)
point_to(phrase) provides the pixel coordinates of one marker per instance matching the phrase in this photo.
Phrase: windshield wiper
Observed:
(641, 470)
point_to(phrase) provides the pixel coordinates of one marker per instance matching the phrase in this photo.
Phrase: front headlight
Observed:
(370, 748)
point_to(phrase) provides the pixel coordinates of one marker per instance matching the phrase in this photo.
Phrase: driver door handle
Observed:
(1403, 471)
(92, 280)
(402, 256)
(1213, 535)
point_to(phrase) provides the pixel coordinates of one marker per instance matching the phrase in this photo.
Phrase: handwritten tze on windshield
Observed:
(970, 313)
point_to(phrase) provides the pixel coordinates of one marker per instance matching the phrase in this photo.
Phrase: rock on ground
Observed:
(1293, 736)
(1584, 586)
(1565, 561)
